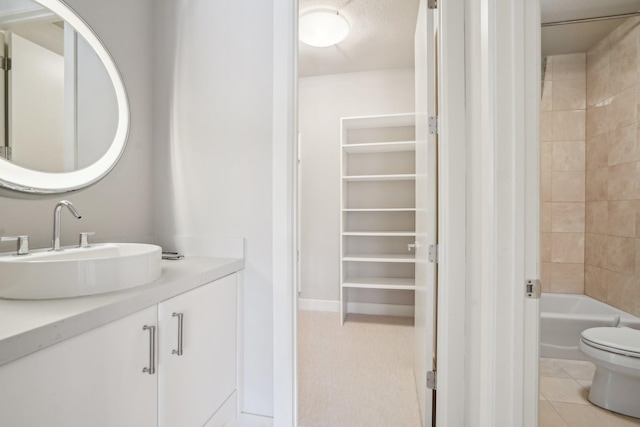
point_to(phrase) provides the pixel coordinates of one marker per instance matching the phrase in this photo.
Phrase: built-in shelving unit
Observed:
(377, 225)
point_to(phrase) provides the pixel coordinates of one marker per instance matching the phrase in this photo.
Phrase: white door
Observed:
(195, 382)
(426, 209)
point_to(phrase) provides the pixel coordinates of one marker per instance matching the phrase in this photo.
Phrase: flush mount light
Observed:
(322, 28)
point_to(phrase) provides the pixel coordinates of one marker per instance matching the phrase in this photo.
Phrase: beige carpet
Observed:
(356, 374)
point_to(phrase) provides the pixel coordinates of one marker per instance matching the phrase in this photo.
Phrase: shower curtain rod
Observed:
(598, 18)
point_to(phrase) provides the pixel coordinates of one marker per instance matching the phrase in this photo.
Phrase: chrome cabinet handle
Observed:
(152, 349)
(180, 316)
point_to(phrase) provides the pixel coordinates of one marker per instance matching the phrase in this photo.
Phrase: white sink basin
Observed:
(73, 272)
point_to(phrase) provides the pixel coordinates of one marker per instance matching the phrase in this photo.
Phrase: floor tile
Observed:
(578, 369)
(563, 390)
(576, 415)
(549, 368)
(549, 417)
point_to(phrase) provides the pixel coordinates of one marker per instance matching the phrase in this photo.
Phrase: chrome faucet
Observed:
(55, 246)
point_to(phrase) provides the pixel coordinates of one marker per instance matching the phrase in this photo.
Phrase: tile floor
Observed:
(564, 388)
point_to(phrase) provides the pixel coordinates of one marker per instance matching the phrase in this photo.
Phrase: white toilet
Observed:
(616, 354)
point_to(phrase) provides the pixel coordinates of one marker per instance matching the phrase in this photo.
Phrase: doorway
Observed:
(327, 224)
(585, 219)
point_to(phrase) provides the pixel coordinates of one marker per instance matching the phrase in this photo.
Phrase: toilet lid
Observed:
(617, 340)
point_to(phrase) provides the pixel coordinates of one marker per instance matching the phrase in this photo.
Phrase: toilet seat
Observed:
(623, 341)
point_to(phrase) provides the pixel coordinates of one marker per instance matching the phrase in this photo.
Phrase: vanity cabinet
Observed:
(198, 374)
(93, 379)
(96, 378)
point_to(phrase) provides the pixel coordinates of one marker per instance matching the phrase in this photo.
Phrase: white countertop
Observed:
(30, 325)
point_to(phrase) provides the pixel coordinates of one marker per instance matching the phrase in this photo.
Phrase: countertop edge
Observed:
(131, 301)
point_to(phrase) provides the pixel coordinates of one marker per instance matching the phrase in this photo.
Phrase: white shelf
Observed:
(394, 283)
(380, 233)
(406, 258)
(378, 151)
(380, 147)
(379, 210)
(396, 177)
(387, 120)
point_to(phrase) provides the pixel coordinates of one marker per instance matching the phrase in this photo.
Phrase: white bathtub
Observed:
(564, 316)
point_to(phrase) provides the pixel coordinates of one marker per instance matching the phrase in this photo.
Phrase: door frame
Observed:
(489, 111)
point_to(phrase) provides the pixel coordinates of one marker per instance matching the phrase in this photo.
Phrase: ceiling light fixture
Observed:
(322, 28)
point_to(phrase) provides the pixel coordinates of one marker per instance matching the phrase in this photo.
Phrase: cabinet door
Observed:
(195, 384)
(94, 379)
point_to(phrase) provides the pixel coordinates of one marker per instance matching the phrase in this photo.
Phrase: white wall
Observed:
(323, 100)
(213, 143)
(118, 207)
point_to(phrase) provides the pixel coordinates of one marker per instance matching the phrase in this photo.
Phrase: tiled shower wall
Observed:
(590, 171)
(613, 170)
(562, 165)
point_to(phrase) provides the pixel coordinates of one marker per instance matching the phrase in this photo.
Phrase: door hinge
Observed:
(5, 63)
(433, 125)
(431, 380)
(433, 254)
(433, 4)
(533, 288)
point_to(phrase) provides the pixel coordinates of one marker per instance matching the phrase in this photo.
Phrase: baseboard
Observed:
(251, 420)
(356, 307)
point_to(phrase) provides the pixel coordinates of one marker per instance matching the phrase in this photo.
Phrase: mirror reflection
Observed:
(60, 110)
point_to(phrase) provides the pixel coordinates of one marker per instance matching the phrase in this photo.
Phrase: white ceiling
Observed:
(382, 32)
(381, 37)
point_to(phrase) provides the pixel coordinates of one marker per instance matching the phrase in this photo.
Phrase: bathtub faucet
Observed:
(55, 246)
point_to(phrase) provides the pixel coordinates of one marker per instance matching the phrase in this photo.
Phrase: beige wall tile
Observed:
(621, 255)
(621, 291)
(545, 217)
(595, 252)
(570, 125)
(637, 219)
(545, 271)
(545, 186)
(546, 126)
(597, 151)
(568, 217)
(598, 56)
(545, 247)
(595, 283)
(623, 145)
(597, 217)
(569, 94)
(623, 109)
(623, 71)
(571, 66)
(597, 86)
(597, 184)
(568, 155)
(621, 218)
(546, 156)
(546, 102)
(568, 186)
(623, 39)
(597, 118)
(567, 247)
(567, 278)
(622, 183)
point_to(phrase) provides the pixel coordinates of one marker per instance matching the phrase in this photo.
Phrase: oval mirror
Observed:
(64, 117)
